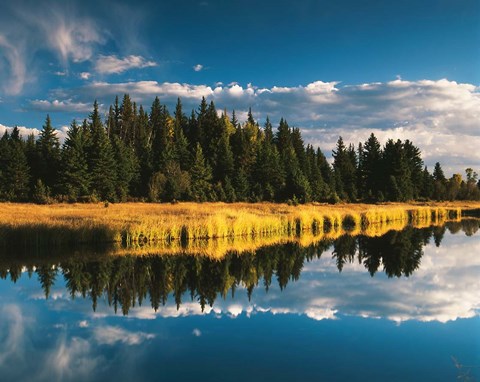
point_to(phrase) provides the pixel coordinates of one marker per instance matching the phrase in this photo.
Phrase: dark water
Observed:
(401, 307)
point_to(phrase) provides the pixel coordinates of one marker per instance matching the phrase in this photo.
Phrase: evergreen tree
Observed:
(74, 178)
(14, 170)
(126, 168)
(101, 160)
(201, 176)
(143, 153)
(415, 167)
(344, 166)
(48, 151)
(440, 183)
(427, 184)
(371, 173)
(397, 171)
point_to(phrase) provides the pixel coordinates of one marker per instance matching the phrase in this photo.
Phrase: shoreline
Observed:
(133, 224)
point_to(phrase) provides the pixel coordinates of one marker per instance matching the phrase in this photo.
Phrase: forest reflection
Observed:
(129, 280)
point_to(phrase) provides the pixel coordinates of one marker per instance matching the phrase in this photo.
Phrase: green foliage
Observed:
(170, 185)
(101, 160)
(41, 193)
(14, 169)
(48, 155)
(74, 180)
(208, 157)
(201, 176)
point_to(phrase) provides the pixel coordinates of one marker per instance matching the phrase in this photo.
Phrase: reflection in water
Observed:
(128, 280)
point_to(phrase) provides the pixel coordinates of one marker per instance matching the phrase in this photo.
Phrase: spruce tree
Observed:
(201, 176)
(101, 161)
(48, 151)
(14, 170)
(74, 180)
(371, 173)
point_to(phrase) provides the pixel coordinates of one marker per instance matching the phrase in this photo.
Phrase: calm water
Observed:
(402, 307)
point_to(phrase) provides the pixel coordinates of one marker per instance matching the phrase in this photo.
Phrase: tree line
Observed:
(133, 154)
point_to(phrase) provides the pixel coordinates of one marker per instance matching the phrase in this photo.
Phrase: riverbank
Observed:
(183, 223)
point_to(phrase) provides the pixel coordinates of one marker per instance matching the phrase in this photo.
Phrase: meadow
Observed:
(209, 227)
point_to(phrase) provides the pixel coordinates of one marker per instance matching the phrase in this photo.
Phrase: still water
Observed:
(401, 307)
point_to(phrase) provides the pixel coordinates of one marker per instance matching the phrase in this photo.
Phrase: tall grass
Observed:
(182, 225)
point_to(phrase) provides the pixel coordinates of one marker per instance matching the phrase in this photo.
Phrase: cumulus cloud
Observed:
(110, 335)
(198, 67)
(144, 90)
(114, 65)
(26, 131)
(60, 105)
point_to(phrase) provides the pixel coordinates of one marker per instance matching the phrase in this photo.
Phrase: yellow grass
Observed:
(186, 225)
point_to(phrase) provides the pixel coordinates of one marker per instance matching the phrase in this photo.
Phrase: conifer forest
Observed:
(134, 154)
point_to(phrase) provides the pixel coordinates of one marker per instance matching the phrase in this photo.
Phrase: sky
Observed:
(402, 70)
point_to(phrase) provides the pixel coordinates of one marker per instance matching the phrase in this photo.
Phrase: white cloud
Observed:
(198, 67)
(60, 105)
(71, 359)
(110, 335)
(144, 89)
(85, 75)
(83, 324)
(26, 131)
(72, 38)
(12, 335)
(15, 68)
(114, 65)
(59, 28)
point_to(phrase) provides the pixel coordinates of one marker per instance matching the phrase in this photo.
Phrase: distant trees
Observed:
(136, 154)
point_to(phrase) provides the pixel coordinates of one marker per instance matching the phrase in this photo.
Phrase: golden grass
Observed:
(188, 224)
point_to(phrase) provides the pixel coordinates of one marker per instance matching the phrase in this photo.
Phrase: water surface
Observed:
(401, 307)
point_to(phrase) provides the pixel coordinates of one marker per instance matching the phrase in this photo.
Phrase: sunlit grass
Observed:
(191, 225)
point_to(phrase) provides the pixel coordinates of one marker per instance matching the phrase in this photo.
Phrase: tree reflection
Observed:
(125, 281)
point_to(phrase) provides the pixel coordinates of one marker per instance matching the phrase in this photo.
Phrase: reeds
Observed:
(134, 224)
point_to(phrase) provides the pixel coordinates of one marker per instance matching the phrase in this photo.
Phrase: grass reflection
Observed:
(129, 280)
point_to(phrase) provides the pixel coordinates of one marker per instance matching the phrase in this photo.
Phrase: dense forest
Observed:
(210, 156)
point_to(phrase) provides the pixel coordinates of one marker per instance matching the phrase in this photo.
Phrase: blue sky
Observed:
(404, 69)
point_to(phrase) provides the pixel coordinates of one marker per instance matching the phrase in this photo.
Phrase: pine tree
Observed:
(127, 168)
(14, 170)
(101, 161)
(440, 183)
(371, 173)
(143, 152)
(48, 149)
(201, 176)
(415, 167)
(74, 180)
(397, 171)
(344, 166)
